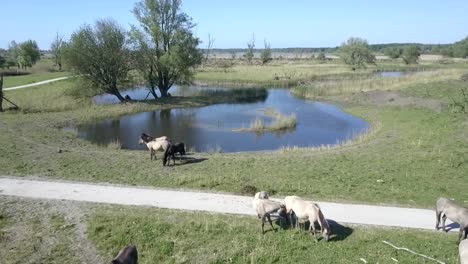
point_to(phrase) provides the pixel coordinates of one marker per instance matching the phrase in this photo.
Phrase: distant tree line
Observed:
(21, 55)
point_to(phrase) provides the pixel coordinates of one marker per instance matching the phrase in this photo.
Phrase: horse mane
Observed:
(146, 138)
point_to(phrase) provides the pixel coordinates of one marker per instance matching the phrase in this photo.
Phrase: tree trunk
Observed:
(163, 92)
(118, 95)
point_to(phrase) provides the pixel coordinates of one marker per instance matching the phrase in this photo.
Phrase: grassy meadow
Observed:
(410, 146)
(63, 232)
(413, 153)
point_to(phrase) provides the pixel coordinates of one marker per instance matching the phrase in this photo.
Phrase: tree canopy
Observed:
(101, 55)
(165, 47)
(411, 54)
(356, 53)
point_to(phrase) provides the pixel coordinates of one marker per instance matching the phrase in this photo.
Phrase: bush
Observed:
(411, 54)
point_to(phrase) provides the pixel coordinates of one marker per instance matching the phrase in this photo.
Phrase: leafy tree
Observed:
(101, 55)
(411, 54)
(56, 48)
(356, 53)
(321, 57)
(24, 55)
(460, 48)
(2, 61)
(166, 49)
(250, 50)
(393, 52)
(266, 53)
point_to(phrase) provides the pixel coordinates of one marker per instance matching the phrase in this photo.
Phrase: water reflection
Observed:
(211, 128)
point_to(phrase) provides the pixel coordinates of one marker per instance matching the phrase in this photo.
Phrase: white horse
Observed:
(154, 144)
(307, 211)
(264, 208)
(446, 208)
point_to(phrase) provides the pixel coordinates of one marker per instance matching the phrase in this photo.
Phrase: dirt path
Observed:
(36, 84)
(394, 98)
(211, 202)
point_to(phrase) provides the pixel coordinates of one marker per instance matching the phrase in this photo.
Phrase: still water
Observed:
(211, 128)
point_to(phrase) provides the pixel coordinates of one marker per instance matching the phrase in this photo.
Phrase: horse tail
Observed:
(322, 221)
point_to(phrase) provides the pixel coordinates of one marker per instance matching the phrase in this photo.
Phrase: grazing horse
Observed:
(154, 144)
(264, 208)
(128, 255)
(170, 152)
(307, 211)
(446, 208)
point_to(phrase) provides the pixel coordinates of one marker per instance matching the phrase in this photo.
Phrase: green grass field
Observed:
(32, 78)
(412, 148)
(412, 155)
(164, 236)
(49, 232)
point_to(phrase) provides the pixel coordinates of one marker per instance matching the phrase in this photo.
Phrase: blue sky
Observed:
(293, 23)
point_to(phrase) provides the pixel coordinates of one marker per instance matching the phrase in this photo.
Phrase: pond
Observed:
(392, 74)
(211, 128)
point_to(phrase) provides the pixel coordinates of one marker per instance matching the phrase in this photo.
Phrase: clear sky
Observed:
(293, 23)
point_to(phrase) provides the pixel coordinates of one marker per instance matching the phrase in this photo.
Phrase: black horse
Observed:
(171, 151)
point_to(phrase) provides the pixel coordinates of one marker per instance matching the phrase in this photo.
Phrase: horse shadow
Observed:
(339, 232)
(187, 160)
(451, 227)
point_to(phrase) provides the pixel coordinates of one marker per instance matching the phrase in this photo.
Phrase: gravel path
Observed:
(210, 202)
(36, 84)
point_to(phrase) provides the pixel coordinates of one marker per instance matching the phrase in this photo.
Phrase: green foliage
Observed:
(166, 49)
(2, 61)
(100, 54)
(393, 52)
(321, 57)
(24, 55)
(249, 55)
(411, 54)
(266, 54)
(356, 53)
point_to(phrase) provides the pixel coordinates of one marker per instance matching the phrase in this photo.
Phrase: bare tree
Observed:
(56, 48)
(209, 46)
(250, 49)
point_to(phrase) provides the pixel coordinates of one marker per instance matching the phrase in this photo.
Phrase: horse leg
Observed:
(312, 228)
(437, 219)
(290, 219)
(263, 224)
(269, 220)
(460, 234)
(444, 217)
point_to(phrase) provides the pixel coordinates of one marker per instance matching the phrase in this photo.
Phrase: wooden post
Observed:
(1, 92)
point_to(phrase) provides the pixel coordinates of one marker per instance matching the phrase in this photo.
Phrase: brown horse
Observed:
(128, 255)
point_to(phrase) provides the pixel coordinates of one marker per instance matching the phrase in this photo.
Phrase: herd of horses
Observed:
(163, 144)
(293, 209)
(297, 211)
